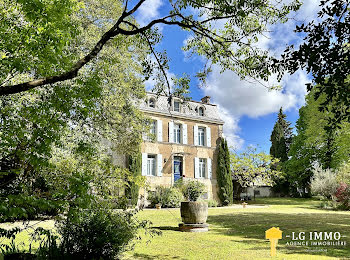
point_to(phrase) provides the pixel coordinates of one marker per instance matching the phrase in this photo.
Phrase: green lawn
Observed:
(237, 233)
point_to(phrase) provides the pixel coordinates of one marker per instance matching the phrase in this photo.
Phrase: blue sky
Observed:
(248, 109)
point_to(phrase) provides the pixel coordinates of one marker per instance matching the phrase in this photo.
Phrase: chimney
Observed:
(206, 100)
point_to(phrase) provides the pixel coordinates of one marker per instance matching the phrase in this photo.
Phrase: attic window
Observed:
(177, 106)
(152, 103)
(201, 111)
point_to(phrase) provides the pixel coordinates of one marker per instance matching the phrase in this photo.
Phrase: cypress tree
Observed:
(135, 167)
(223, 174)
(281, 137)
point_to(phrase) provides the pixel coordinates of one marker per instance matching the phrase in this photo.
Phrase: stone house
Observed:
(182, 142)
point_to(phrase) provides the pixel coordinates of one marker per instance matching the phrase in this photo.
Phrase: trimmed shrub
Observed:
(192, 190)
(167, 197)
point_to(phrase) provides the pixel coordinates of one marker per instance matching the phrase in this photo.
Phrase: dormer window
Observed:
(152, 103)
(177, 106)
(201, 111)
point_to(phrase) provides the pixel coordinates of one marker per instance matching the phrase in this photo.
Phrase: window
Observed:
(153, 127)
(177, 133)
(201, 136)
(152, 103)
(201, 111)
(202, 167)
(177, 106)
(151, 165)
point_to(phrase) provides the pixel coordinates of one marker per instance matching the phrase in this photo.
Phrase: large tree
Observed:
(90, 115)
(49, 53)
(315, 143)
(281, 137)
(252, 168)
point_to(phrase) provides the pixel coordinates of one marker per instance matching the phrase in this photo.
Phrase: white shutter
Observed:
(209, 174)
(208, 135)
(196, 167)
(144, 164)
(195, 135)
(184, 133)
(159, 164)
(159, 130)
(171, 132)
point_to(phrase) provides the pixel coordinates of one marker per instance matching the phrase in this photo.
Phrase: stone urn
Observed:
(194, 216)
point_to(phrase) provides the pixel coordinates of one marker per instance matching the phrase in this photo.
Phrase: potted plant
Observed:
(194, 213)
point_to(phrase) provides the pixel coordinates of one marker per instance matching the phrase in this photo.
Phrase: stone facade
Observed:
(185, 137)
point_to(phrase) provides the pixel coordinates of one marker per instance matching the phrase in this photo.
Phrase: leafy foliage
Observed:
(328, 148)
(325, 54)
(168, 197)
(232, 46)
(192, 190)
(224, 175)
(47, 129)
(324, 182)
(252, 168)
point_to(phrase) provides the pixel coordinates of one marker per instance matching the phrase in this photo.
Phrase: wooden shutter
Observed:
(209, 171)
(195, 135)
(171, 132)
(159, 164)
(196, 167)
(159, 130)
(144, 164)
(184, 133)
(208, 136)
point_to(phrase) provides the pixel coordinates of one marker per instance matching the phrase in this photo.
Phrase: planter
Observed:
(194, 212)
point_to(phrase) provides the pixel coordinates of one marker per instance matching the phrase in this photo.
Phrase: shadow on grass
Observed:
(285, 201)
(167, 228)
(148, 257)
(251, 226)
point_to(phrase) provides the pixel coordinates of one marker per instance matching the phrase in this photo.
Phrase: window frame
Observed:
(174, 107)
(199, 111)
(154, 102)
(200, 135)
(202, 167)
(177, 133)
(151, 168)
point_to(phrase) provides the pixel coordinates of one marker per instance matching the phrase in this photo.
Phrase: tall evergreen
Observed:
(281, 137)
(135, 167)
(224, 175)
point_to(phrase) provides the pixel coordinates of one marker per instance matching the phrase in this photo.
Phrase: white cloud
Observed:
(148, 11)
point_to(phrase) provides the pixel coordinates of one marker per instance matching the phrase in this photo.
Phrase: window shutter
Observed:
(208, 135)
(209, 174)
(159, 164)
(159, 130)
(184, 133)
(171, 132)
(196, 167)
(195, 135)
(144, 164)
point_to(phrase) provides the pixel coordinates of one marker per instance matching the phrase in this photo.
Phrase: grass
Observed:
(237, 233)
(240, 233)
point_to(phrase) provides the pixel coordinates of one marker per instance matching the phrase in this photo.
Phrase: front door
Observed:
(177, 168)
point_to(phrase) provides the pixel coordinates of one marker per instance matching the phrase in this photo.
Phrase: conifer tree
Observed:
(281, 137)
(224, 176)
